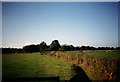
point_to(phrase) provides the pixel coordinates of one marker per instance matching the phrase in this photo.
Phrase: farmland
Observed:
(34, 65)
(97, 65)
(105, 54)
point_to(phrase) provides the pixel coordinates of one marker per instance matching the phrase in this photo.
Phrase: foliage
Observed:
(43, 46)
(31, 48)
(67, 48)
(11, 50)
(54, 46)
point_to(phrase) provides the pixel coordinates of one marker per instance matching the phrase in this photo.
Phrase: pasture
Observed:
(105, 54)
(34, 65)
(97, 65)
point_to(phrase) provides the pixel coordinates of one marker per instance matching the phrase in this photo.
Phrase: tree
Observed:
(31, 48)
(11, 50)
(77, 48)
(63, 48)
(72, 48)
(54, 46)
(43, 46)
(67, 48)
(83, 47)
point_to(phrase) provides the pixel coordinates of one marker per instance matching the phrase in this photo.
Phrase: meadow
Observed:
(53, 64)
(105, 54)
(34, 65)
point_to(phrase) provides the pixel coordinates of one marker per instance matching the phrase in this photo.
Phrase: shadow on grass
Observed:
(80, 75)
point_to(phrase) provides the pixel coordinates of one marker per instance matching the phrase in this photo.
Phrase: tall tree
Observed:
(43, 46)
(54, 46)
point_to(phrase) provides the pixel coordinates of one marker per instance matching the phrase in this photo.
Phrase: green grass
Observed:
(105, 54)
(37, 65)
(34, 65)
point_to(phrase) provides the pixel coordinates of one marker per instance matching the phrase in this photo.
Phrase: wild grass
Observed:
(34, 65)
(37, 65)
(105, 54)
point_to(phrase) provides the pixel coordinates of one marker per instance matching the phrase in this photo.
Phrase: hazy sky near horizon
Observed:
(76, 23)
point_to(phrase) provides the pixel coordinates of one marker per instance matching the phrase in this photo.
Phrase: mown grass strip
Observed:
(35, 65)
(105, 54)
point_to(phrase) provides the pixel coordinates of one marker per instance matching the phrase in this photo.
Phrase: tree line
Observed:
(54, 46)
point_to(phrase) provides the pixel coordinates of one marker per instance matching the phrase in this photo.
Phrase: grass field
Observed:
(37, 65)
(34, 65)
(105, 54)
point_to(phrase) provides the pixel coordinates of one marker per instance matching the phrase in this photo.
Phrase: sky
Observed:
(74, 23)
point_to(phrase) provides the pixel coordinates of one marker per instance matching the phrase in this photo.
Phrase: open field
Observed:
(34, 65)
(105, 54)
(97, 65)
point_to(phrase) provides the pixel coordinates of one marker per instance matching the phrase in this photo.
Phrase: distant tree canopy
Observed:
(87, 48)
(67, 48)
(43, 46)
(11, 50)
(31, 48)
(54, 46)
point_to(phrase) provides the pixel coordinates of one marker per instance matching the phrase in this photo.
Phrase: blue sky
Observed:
(76, 23)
